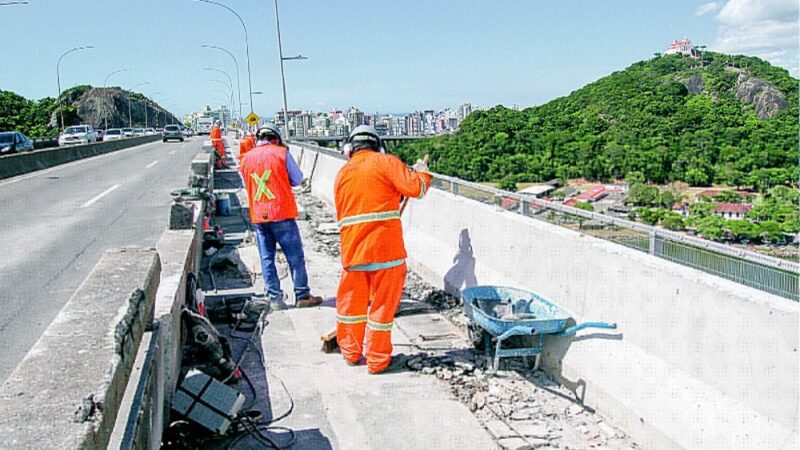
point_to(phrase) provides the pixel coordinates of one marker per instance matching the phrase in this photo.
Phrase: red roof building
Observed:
(732, 210)
(592, 195)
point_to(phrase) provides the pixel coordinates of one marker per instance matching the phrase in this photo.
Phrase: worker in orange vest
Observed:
(246, 144)
(368, 191)
(269, 172)
(218, 144)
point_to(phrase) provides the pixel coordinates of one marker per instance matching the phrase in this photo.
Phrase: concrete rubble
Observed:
(520, 408)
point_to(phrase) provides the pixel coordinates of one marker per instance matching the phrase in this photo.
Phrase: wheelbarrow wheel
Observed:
(477, 336)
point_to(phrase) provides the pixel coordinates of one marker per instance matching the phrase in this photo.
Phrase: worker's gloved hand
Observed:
(421, 166)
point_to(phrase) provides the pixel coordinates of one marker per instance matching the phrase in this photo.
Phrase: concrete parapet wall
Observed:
(697, 361)
(67, 391)
(13, 165)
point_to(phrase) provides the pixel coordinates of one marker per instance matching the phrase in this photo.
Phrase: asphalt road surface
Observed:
(56, 224)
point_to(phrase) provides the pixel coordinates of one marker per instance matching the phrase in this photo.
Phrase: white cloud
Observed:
(706, 8)
(764, 28)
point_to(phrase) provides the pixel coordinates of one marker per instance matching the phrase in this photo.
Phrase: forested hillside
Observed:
(723, 119)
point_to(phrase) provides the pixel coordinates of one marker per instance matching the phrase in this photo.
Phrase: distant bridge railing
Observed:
(759, 271)
(327, 139)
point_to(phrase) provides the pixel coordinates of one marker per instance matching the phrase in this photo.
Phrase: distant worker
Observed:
(218, 144)
(246, 144)
(368, 192)
(269, 172)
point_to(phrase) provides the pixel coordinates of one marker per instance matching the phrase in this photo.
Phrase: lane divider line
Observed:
(100, 195)
(151, 164)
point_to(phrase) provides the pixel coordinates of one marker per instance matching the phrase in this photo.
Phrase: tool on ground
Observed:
(329, 342)
(207, 402)
(212, 348)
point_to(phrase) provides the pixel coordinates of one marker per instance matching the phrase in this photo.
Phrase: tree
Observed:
(634, 177)
(642, 195)
(711, 227)
(586, 206)
(743, 230)
(673, 221)
(508, 183)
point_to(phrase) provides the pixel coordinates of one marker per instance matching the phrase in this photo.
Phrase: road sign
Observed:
(252, 119)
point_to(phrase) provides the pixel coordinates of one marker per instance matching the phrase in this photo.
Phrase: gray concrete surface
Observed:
(343, 407)
(697, 361)
(67, 391)
(56, 226)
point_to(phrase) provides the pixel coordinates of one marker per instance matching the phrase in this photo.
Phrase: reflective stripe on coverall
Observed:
(368, 192)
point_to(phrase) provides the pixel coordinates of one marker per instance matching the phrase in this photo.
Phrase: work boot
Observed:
(358, 362)
(397, 364)
(308, 301)
(278, 303)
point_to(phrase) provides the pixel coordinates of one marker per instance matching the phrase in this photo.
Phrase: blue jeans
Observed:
(285, 233)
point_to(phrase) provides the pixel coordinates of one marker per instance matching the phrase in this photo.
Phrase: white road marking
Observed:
(151, 164)
(100, 195)
(37, 173)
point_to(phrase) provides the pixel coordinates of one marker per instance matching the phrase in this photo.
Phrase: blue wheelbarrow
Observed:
(502, 312)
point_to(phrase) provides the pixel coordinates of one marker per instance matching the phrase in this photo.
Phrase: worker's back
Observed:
(368, 192)
(266, 178)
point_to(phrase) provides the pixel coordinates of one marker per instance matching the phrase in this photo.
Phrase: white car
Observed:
(113, 134)
(78, 134)
(149, 131)
(127, 132)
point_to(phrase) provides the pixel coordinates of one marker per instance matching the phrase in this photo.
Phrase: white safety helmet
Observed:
(268, 131)
(363, 137)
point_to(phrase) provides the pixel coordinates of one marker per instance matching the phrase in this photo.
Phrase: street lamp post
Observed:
(236, 63)
(58, 72)
(130, 115)
(229, 85)
(145, 106)
(228, 93)
(283, 79)
(246, 43)
(105, 91)
(13, 3)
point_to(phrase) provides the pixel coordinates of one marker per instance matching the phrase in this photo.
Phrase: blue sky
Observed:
(381, 56)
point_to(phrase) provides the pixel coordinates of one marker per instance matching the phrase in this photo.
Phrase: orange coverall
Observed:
(246, 144)
(368, 192)
(216, 142)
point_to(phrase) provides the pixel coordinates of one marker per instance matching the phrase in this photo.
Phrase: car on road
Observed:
(171, 132)
(113, 134)
(100, 134)
(149, 131)
(127, 132)
(138, 132)
(14, 142)
(77, 134)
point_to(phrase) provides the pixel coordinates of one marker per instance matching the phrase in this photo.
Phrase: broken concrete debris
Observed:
(520, 408)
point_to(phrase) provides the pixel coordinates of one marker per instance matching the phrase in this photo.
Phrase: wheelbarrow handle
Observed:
(574, 329)
(515, 331)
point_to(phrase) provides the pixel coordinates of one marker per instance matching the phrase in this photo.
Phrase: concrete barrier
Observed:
(697, 361)
(13, 165)
(67, 391)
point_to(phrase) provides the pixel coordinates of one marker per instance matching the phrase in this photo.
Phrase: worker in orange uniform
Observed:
(218, 144)
(269, 172)
(246, 144)
(368, 191)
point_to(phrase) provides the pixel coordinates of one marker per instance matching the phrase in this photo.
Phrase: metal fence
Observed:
(763, 272)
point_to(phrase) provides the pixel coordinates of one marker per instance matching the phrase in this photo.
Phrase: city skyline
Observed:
(406, 55)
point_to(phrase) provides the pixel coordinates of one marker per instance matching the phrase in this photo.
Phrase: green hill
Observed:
(725, 119)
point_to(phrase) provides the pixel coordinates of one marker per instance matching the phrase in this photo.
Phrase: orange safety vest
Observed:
(246, 144)
(368, 191)
(216, 133)
(269, 192)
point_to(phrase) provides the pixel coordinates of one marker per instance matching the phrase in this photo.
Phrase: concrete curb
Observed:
(13, 165)
(67, 391)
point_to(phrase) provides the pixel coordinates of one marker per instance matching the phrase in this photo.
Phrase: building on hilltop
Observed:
(682, 46)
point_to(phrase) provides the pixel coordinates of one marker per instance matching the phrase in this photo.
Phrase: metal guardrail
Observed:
(759, 271)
